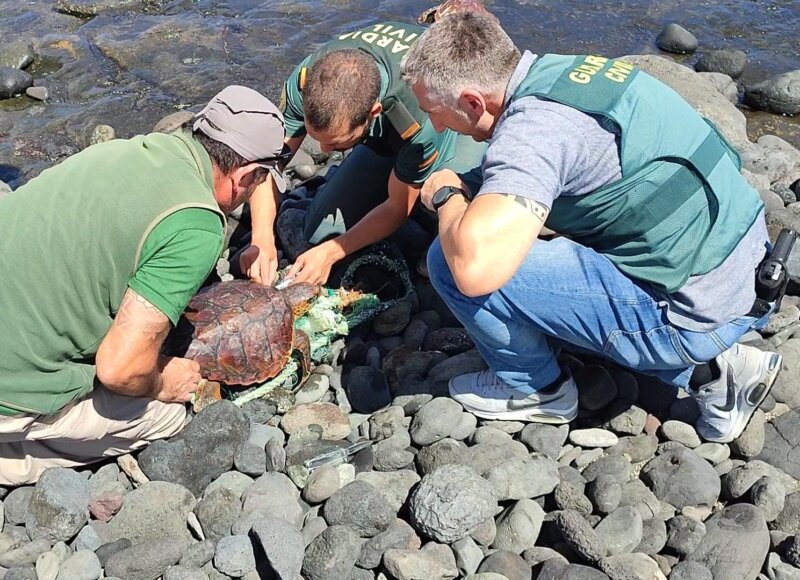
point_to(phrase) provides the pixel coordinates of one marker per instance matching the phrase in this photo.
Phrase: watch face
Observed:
(443, 194)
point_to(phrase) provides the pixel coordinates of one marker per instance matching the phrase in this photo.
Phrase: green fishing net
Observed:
(371, 282)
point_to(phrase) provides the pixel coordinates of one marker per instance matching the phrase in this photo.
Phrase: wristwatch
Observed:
(444, 193)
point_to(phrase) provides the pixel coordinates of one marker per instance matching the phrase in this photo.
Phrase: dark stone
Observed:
(506, 563)
(360, 506)
(726, 61)
(580, 536)
(450, 341)
(202, 453)
(782, 443)
(146, 561)
(13, 82)
(779, 94)
(414, 334)
(59, 506)
(332, 554)
(367, 390)
(736, 543)
(217, 512)
(290, 226)
(681, 478)
(281, 549)
(105, 551)
(675, 38)
(18, 54)
(393, 320)
(596, 388)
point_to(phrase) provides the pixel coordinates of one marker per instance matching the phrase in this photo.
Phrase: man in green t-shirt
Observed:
(101, 254)
(349, 95)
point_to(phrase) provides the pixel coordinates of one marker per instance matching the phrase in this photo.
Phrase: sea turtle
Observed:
(242, 332)
(431, 15)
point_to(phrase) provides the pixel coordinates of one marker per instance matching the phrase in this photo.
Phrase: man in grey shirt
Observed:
(659, 275)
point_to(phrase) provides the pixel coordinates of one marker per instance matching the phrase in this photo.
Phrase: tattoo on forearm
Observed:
(537, 209)
(150, 322)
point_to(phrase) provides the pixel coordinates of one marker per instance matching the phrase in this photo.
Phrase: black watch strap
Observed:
(445, 193)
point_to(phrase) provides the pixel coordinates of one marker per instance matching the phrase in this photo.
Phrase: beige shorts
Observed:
(102, 425)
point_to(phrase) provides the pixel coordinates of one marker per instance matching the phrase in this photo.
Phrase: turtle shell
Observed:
(240, 332)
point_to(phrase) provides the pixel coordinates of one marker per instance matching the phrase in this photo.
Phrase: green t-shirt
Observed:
(176, 257)
(136, 213)
(416, 157)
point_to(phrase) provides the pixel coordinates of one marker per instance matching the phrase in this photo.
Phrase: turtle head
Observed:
(300, 296)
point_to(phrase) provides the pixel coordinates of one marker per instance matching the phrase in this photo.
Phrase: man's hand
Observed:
(314, 266)
(435, 182)
(260, 262)
(180, 378)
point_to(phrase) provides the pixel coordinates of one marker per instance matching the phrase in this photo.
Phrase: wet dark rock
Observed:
(449, 340)
(148, 560)
(735, 544)
(415, 334)
(17, 54)
(728, 61)
(204, 450)
(282, 547)
(59, 506)
(332, 554)
(393, 320)
(13, 82)
(779, 94)
(367, 389)
(675, 38)
(682, 478)
(596, 388)
(360, 506)
(451, 501)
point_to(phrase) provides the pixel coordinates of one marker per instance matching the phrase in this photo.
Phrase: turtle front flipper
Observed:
(302, 345)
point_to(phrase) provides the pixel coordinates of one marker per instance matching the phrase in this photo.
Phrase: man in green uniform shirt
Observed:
(101, 254)
(349, 95)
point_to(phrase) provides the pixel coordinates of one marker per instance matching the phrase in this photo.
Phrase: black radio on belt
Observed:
(772, 275)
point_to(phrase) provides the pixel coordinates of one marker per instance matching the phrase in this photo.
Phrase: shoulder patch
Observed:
(429, 161)
(282, 102)
(301, 78)
(402, 121)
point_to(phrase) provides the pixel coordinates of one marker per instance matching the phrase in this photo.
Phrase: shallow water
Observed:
(129, 68)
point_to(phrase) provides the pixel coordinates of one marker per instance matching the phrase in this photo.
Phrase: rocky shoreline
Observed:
(627, 491)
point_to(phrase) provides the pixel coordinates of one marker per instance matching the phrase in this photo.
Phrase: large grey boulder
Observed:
(682, 478)
(451, 501)
(779, 94)
(158, 509)
(59, 505)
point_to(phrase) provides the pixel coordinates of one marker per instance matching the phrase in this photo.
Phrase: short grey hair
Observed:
(464, 49)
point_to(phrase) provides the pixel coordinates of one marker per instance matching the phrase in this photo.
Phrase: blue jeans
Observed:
(566, 293)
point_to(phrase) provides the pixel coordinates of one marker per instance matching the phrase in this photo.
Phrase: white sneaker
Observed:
(486, 396)
(727, 404)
